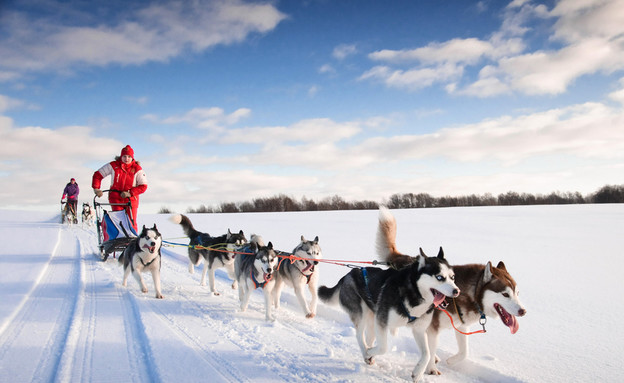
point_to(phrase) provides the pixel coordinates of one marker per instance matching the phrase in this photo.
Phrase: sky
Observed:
(227, 101)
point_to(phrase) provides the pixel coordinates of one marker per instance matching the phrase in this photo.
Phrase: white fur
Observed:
(145, 257)
(265, 264)
(508, 299)
(300, 281)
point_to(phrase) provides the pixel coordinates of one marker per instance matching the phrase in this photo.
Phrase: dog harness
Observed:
(482, 318)
(255, 281)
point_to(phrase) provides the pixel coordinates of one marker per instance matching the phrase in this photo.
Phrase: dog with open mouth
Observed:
(143, 254)
(381, 300)
(299, 274)
(255, 268)
(487, 291)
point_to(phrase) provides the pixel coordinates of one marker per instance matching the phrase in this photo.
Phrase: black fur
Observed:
(198, 238)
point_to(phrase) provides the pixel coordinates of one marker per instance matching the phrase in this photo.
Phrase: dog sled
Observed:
(68, 213)
(115, 229)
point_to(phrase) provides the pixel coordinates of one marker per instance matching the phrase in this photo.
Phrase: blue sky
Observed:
(226, 101)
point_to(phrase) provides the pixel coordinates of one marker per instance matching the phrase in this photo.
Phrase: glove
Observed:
(98, 192)
(125, 194)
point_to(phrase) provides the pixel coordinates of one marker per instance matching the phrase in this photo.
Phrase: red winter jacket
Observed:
(129, 177)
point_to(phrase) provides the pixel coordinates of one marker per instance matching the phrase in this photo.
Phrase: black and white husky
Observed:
(88, 215)
(213, 259)
(299, 274)
(487, 291)
(143, 254)
(378, 300)
(257, 270)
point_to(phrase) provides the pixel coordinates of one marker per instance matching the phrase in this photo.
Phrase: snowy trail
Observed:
(69, 319)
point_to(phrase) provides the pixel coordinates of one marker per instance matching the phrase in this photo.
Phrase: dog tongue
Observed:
(308, 267)
(509, 320)
(268, 277)
(513, 324)
(438, 298)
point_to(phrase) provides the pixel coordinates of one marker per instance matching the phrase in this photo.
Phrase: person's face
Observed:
(73, 181)
(126, 159)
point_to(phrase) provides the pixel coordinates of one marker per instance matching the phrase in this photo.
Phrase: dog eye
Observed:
(452, 277)
(439, 277)
(506, 295)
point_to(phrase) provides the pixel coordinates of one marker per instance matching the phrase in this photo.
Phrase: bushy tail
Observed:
(186, 224)
(386, 236)
(330, 295)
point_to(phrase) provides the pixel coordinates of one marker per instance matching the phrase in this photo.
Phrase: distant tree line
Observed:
(282, 202)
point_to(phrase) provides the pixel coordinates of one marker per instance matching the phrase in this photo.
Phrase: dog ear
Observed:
(270, 246)
(487, 273)
(241, 233)
(144, 228)
(302, 239)
(155, 228)
(501, 266)
(421, 259)
(316, 239)
(229, 234)
(441, 253)
(253, 247)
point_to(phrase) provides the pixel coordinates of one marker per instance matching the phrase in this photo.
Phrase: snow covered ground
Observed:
(65, 317)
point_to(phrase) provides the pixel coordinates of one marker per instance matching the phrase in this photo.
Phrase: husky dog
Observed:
(69, 214)
(257, 270)
(300, 273)
(379, 300)
(143, 254)
(88, 216)
(214, 259)
(486, 290)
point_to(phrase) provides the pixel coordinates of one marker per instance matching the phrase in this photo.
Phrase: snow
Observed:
(64, 315)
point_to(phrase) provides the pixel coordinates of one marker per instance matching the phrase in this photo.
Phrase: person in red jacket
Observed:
(128, 181)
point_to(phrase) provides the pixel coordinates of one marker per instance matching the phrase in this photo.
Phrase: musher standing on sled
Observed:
(71, 191)
(128, 181)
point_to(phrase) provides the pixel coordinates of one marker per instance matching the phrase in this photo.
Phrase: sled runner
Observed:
(114, 228)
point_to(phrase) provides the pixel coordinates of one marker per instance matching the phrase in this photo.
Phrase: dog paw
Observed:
(455, 359)
(369, 360)
(434, 371)
(216, 293)
(310, 315)
(144, 290)
(159, 296)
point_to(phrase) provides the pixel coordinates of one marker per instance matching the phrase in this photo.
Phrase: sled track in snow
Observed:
(52, 296)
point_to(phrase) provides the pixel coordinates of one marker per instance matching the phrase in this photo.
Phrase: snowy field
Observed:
(64, 316)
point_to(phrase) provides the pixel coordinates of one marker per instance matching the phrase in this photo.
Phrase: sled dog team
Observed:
(377, 300)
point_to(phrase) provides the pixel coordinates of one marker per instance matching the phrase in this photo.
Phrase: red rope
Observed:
(293, 257)
(456, 329)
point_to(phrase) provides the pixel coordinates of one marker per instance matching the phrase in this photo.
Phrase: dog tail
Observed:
(330, 295)
(186, 224)
(386, 236)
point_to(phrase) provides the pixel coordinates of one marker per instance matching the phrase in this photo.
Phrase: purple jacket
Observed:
(71, 191)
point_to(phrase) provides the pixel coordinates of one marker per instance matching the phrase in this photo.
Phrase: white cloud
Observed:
(154, 33)
(343, 51)
(584, 131)
(319, 130)
(7, 103)
(213, 119)
(414, 79)
(589, 34)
